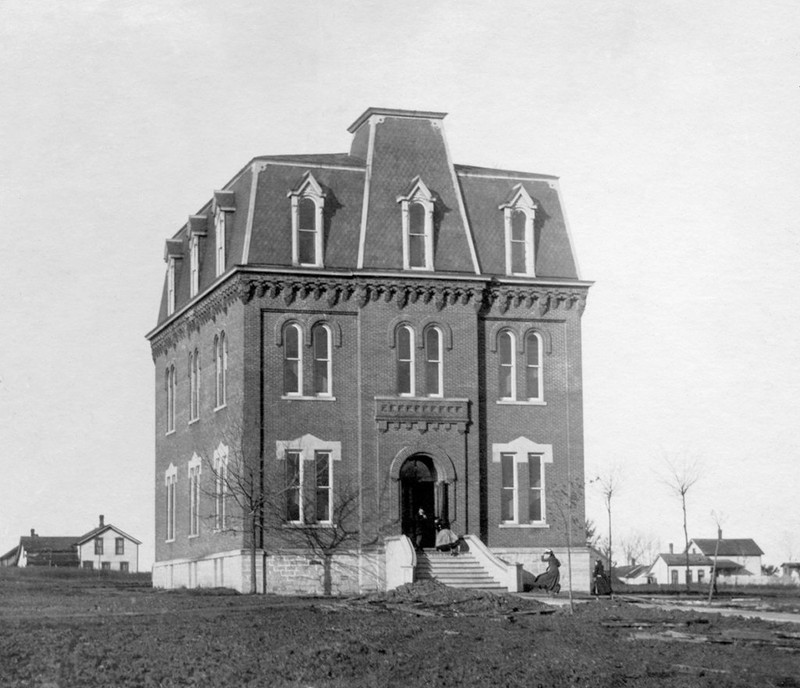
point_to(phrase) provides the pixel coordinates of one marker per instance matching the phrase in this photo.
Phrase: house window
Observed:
(417, 206)
(170, 480)
(170, 286)
(700, 575)
(88, 565)
(688, 577)
(323, 503)
(194, 385)
(170, 384)
(321, 340)
(508, 489)
(519, 212)
(533, 366)
(98, 546)
(433, 362)
(220, 369)
(536, 487)
(405, 361)
(194, 496)
(294, 485)
(220, 222)
(674, 577)
(308, 202)
(221, 478)
(105, 566)
(119, 545)
(194, 262)
(507, 373)
(124, 567)
(293, 359)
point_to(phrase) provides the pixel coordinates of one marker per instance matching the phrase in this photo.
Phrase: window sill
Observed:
(524, 525)
(298, 524)
(169, 541)
(193, 537)
(220, 407)
(523, 402)
(300, 397)
(193, 421)
(169, 432)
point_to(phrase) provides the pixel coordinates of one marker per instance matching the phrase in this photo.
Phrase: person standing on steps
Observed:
(420, 527)
(549, 580)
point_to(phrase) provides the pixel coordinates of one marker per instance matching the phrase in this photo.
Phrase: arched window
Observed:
(417, 253)
(170, 481)
(194, 385)
(171, 286)
(194, 262)
(219, 231)
(507, 373)
(293, 359)
(433, 362)
(417, 206)
(519, 243)
(308, 203)
(533, 366)
(405, 361)
(169, 385)
(321, 342)
(221, 369)
(307, 232)
(220, 487)
(519, 212)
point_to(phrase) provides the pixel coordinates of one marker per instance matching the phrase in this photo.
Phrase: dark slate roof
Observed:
(630, 571)
(403, 145)
(46, 551)
(743, 547)
(102, 529)
(671, 559)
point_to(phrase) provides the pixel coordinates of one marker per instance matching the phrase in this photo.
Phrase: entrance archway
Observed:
(418, 491)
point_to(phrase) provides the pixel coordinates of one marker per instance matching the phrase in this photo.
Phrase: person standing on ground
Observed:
(549, 580)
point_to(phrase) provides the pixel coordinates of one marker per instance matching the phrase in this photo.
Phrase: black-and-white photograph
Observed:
(361, 343)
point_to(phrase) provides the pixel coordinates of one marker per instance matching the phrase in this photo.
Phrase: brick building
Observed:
(355, 336)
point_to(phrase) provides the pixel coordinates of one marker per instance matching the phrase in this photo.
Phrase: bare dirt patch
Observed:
(419, 635)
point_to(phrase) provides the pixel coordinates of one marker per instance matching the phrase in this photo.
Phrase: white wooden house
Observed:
(107, 548)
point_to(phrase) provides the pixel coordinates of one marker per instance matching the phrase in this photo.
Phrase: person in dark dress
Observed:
(601, 584)
(420, 528)
(549, 580)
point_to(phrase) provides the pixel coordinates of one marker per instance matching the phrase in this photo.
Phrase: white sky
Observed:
(674, 129)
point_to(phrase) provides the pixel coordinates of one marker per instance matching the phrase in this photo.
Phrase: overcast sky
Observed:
(673, 127)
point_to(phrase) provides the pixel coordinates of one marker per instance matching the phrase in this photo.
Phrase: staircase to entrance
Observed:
(462, 571)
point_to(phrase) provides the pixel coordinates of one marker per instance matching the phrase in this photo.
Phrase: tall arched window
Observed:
(321, 343)
(506, 354)
(433, 362)
(169, 384)
(519, 243)
(533, 366)
(293, 359)
(221, 368)
(219, 232)
(405, 361)
(417, 253)
(307, 232)
(194, 385)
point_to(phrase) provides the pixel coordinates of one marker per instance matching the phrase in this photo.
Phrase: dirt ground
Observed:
(92, 631)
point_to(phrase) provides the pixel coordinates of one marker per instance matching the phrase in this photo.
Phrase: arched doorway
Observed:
(418, 491)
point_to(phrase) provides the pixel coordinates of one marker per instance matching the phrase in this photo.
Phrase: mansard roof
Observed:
(363, 228)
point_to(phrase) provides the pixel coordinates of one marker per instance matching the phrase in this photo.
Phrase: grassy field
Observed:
(82, 629)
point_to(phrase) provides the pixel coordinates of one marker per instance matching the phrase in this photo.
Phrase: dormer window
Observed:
(194, 261)
(219, 233)
(197, 229)
(519, 212)
(308, 203)
(224, 203)
(173, 252)
(416, 206)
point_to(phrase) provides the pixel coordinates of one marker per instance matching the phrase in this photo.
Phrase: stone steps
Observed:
(462, 571)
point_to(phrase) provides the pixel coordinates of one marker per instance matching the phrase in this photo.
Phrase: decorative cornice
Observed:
(422, 413)
(487, 298)
(193, 318)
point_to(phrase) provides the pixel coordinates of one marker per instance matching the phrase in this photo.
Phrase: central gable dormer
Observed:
(399, 145)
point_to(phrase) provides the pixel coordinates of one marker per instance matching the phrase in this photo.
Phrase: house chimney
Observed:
(633, 561)
(102, 518)
(33, 533)
(670, 548)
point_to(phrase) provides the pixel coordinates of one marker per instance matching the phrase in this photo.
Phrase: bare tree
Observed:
(609, 485)
(592, 536)
(568, 499)
(238, 498)
(681, 476)
(712, 584)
